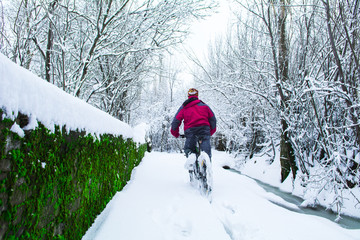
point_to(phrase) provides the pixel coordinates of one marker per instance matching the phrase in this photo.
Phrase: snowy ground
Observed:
(159, 203)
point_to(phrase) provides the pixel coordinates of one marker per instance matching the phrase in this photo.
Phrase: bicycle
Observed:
(199, 165)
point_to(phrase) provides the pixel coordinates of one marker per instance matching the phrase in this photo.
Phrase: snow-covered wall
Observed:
(22, 91)
(55, 182)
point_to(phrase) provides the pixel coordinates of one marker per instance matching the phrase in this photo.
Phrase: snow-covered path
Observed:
(159, 203)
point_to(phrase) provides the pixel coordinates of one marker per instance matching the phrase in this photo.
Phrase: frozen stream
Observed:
(345, 221)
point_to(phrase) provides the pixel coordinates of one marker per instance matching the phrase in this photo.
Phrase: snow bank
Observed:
(140, 133)
(261, 169)
(22, 91)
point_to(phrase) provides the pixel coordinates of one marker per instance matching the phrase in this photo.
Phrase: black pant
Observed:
(191, 138)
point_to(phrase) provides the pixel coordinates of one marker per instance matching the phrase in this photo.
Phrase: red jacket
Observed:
(194, 113)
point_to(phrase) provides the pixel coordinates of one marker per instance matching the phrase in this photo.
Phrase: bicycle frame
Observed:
(200, 174)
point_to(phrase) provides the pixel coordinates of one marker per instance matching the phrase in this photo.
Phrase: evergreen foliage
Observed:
(54, 184)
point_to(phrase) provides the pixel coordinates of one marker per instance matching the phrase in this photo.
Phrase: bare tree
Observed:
(99, 51)
(298, 66)
(2, 25)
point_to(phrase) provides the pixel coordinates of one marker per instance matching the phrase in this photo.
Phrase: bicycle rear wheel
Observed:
(204, 174)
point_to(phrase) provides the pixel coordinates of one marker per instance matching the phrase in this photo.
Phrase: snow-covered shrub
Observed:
(54, 183)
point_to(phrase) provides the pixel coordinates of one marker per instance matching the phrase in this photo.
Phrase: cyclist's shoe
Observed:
(187, 152)
(190, 162)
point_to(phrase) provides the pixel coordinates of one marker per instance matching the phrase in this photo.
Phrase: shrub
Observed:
(54, 184)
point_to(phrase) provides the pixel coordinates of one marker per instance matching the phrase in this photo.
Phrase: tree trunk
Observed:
(50, 41)
(48, 53)
(353, 114)
(287, 157)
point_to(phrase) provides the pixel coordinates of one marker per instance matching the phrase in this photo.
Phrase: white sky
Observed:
(202, 34)
(208, 29)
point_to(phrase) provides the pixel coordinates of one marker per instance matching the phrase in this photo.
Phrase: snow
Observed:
(259, 168)
(17, 129)
(140, 132)
(22, 91)
(160, 203)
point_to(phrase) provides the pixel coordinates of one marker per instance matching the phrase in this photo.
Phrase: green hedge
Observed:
(54, 184)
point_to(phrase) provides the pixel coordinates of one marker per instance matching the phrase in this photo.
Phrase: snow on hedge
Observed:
(24, 92)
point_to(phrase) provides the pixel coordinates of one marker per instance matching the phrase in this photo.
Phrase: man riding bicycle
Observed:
(199, 121)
